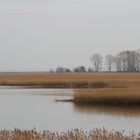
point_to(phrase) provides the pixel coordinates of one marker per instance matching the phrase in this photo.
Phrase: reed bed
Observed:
(109, 96)
(75, 134)
(71, 80)
(113, 110)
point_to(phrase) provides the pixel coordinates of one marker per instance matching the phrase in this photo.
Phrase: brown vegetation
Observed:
(71, 80)
(113, 110)
(109, 96)
(75, 134)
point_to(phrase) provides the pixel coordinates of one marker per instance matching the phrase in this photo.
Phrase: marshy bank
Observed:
(111, 88)
(107, 109)
(118, 96)
(75, 134)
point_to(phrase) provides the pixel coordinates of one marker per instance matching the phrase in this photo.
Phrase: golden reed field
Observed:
(71, 80)
(109, 96)
(116, 88)
(75, 134)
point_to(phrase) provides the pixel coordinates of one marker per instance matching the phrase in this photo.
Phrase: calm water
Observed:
(28, 108)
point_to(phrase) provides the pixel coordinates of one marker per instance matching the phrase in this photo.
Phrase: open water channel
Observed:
(29, 108)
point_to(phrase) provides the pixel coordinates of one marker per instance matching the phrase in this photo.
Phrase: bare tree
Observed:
(62, 69)
(123, 61)
(137, 60)
(109, 60)
(59, 70)
(96, 60)
(131, 61)
(80, 69)
(89, 70)
(118, 63)
(128, 61)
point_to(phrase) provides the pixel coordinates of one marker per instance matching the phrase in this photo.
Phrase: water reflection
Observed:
(115, 110)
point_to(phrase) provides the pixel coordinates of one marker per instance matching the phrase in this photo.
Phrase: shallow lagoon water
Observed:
(29, 108)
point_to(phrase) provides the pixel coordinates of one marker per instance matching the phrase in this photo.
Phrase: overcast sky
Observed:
(43, 34)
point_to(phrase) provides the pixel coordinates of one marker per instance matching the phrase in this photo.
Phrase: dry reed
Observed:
(108, 96)
(113, 110)
(75, 134)
(71, 80)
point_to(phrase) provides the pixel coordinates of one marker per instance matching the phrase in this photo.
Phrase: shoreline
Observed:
(108, 88)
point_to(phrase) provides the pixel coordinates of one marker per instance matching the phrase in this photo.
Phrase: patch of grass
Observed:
(108, 96)
(75, 134)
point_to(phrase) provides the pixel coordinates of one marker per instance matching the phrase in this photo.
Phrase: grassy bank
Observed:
(71, 80)
(74, 134)
(108, 96)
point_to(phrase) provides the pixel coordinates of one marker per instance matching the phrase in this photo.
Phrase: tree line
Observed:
(124, 61)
